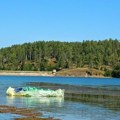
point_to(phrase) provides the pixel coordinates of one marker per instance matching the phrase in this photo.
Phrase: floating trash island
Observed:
(34, 92)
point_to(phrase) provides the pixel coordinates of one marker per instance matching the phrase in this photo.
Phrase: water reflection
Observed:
(105, 96)
(111, 102)
(85, 107)
(65, 110)
(35, 101)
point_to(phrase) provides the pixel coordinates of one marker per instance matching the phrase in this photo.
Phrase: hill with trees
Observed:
(45, 56)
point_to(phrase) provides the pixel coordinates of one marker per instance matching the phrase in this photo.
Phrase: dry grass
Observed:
(80, 72)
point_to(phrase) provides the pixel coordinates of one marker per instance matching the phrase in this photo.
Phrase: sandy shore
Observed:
(26, 73)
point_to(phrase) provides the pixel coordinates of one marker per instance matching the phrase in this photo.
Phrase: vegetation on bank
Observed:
(46, 56)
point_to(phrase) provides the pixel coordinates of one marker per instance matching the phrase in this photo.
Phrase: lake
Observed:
(59, 107)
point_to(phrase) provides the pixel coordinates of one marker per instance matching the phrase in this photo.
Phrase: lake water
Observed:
(58, 107)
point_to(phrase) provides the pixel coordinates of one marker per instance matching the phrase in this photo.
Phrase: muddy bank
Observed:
(26, 114)
(100, 96)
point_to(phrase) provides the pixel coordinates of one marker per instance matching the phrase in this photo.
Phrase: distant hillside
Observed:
(46, 56)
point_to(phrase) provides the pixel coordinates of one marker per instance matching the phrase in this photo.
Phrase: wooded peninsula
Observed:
(102, 55)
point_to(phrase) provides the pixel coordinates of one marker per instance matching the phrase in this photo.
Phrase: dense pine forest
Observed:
(46, 56)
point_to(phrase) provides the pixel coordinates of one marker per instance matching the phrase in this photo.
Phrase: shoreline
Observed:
(41, 73)
(26, 73)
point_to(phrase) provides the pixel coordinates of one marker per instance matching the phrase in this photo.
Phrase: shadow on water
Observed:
(101, 96)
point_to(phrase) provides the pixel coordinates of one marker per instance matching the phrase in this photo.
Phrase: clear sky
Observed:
(65, 20)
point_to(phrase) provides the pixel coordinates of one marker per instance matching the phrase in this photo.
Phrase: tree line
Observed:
(49, 55)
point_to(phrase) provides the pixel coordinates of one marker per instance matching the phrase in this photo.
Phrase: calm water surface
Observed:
(58, 107)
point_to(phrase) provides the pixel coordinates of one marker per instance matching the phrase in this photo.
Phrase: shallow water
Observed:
(58, 107)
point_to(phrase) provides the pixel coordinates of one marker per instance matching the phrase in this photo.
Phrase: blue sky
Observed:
(64, 20)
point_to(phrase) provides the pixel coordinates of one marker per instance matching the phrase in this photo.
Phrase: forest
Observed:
(48, 55)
